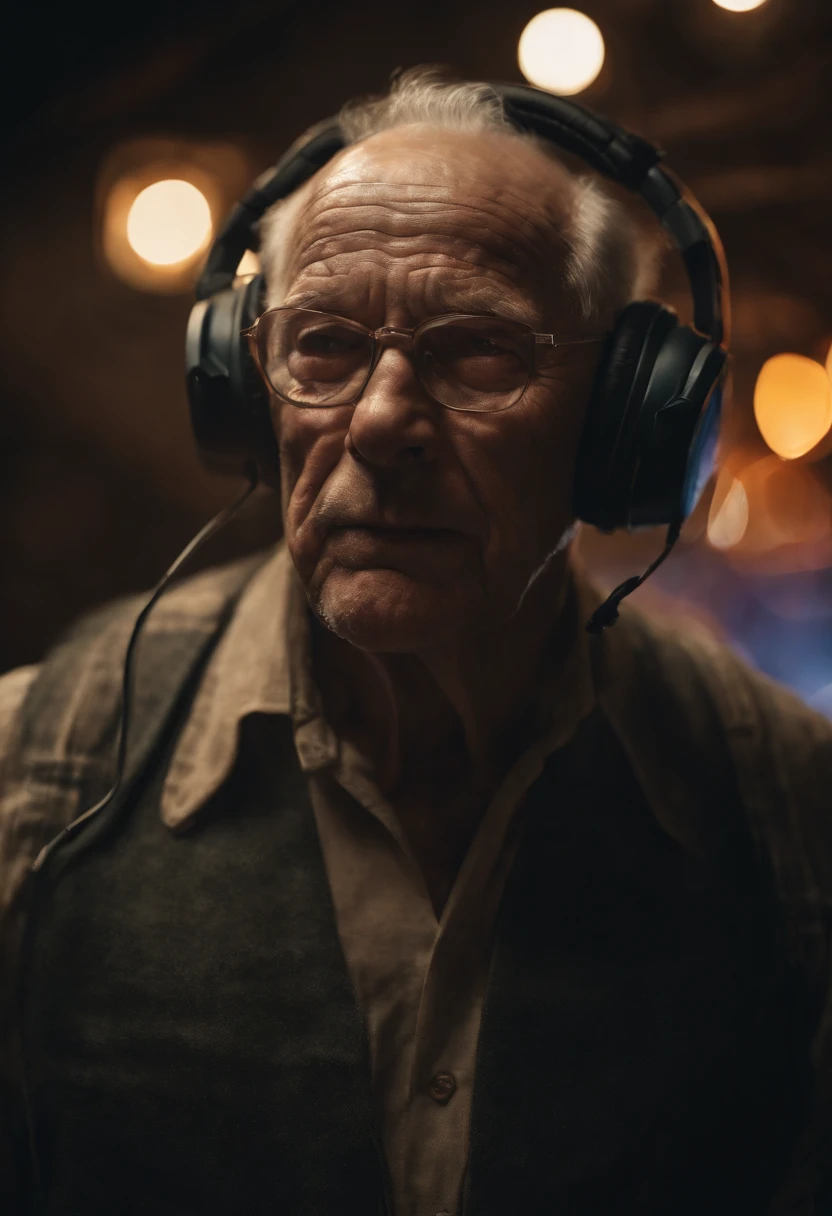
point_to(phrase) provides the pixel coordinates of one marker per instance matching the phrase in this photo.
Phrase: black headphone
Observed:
(649, 438)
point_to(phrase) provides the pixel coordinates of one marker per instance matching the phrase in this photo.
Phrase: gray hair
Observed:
(608, 261)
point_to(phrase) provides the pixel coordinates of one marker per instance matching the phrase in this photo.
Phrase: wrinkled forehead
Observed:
(485, 200)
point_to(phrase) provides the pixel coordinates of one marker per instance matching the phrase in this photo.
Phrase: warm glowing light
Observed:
(829, 363)
(561, 50)
(249, 264)
(169, 222)
(798, 502)
(793, 404)
(770, 513)
(739, 6)
(728, 519)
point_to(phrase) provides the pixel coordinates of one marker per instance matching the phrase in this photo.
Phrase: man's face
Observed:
(412, 525)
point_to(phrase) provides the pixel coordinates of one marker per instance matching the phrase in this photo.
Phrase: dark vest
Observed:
(193, 1046)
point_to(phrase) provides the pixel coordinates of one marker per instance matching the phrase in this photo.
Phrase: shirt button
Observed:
(442, 1087)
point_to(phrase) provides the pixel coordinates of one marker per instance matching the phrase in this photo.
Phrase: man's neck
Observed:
(453, 715)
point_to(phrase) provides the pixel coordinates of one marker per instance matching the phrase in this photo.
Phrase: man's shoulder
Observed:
(696, 669)
(74, 691)
(696, 704)
(195, 602)
(58, 720)
(718, 746)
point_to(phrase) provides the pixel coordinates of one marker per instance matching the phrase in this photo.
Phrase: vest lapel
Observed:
(192, 1040)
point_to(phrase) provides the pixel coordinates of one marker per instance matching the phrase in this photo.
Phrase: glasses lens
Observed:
(312, 358)
(475, 363)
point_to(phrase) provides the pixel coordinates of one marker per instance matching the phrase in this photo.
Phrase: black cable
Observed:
(213, 526)
(35, 880)
(607, 613)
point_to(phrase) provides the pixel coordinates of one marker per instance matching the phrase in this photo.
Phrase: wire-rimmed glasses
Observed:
(464, 362)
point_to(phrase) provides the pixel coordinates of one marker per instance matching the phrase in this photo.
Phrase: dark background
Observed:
(100, 485)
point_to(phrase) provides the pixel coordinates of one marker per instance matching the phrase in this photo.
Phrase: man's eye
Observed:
(476, 345)
(485, 346)
(324, 343)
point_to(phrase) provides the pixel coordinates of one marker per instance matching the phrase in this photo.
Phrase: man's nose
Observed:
(395, 422)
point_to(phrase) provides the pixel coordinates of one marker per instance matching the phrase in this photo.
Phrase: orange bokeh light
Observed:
(728, 516)
(561, 50)
(793, 405)
(739, 6)
(249, 264)
(799, 503)
(770, 513)
(169, 222)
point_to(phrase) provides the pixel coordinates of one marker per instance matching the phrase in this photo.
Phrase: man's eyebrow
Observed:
(486, 301)
(321, 301)
(501, 305)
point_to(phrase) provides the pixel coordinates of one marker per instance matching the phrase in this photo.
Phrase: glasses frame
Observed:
(405, 339)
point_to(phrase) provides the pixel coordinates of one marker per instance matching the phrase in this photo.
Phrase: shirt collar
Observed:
(262, 665)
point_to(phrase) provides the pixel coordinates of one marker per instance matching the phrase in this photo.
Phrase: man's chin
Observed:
(386, 611)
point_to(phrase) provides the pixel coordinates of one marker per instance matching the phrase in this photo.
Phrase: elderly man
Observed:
(421, 901)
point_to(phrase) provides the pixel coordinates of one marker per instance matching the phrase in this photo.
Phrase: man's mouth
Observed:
(387, 532)
(412, 548)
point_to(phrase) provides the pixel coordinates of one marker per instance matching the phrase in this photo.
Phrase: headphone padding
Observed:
(603, 477)
(228, 401)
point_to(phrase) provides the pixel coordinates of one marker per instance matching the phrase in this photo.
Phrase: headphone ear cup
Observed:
(229, 404)
(605, 469)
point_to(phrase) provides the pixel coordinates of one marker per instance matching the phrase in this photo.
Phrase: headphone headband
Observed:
(625, 158)
(652, 419)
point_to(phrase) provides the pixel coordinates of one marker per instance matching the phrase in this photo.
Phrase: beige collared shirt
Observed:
(419, 981)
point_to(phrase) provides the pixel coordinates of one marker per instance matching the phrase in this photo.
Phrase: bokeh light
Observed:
(561, 50)
(169, 222)
(770, 513)
(793, 405)
(728, 518)
(249, 264)
(739, 6)
(799, 503)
